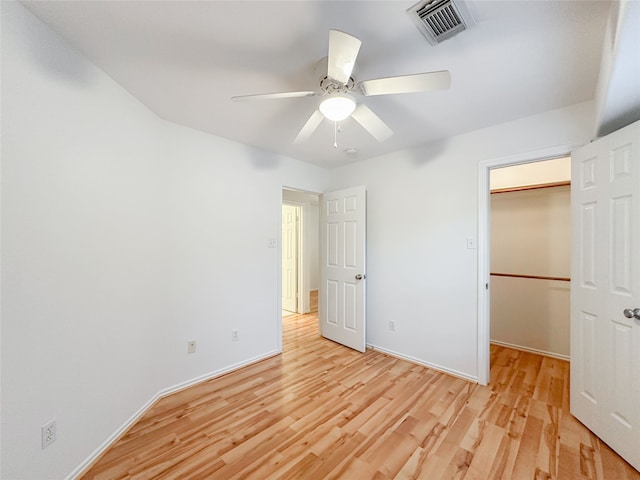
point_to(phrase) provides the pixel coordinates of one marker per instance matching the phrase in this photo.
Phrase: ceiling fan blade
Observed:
(343, 51)
(420, 82)
(272, 96)
(372, 123)
(314, 120)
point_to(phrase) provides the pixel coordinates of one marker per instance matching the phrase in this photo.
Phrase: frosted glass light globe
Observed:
(338, 107)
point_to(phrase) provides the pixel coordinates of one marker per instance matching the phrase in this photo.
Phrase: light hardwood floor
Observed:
(320, 411)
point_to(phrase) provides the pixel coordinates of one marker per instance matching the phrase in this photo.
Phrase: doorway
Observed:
(300, 250)
(484, 246)
(342, 307)
(530, 250)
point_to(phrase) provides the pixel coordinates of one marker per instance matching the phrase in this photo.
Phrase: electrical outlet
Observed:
(235, 336)
(48, 433)
(392, 326)
(191, 346)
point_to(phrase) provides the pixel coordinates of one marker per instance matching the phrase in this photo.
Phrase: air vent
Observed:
(441, 19)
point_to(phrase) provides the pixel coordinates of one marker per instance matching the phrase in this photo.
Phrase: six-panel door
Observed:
(341, 304)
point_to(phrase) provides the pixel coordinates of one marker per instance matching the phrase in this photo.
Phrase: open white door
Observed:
(290, 217)
(341, 303)
(605, 290)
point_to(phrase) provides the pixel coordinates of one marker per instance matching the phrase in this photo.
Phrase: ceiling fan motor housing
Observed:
(329, 85)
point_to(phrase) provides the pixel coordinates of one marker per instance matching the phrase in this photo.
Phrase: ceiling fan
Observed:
(338, 89)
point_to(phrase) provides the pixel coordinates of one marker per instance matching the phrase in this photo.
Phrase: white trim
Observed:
(433, 366)
(80, 469)
(279, 271)
(484, 166)
(559, 356)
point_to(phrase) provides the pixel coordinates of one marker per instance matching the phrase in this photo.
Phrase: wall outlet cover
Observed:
(48, 433)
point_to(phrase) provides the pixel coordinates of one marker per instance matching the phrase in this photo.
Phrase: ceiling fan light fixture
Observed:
(337, 107)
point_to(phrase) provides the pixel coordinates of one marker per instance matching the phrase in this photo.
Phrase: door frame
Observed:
(484, 244)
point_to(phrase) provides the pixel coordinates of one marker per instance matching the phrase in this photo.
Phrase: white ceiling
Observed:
(184, 60)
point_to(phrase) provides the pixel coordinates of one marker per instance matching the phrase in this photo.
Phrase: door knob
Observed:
(632, 313)
(360, 276)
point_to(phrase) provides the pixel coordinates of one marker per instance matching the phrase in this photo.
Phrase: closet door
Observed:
(605, 290)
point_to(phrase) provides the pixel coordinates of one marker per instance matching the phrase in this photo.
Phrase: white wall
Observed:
(531, 235)
(422, 205)
(123, 236)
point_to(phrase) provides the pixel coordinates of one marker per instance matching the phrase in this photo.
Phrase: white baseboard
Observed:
(434, 366)
(161, 394)
(559, 356)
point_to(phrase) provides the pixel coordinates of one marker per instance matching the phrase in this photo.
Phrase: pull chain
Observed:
(336, 131)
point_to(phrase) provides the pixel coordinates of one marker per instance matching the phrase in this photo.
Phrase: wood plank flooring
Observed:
(322, 411)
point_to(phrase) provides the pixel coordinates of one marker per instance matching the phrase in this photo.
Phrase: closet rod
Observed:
(538, 277)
